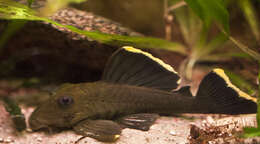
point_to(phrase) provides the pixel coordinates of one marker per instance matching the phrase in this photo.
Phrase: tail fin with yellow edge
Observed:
(217, 94)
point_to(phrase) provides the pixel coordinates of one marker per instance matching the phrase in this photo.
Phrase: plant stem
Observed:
(258, 100)
(168, 22)
(177, 5)
(190, 65)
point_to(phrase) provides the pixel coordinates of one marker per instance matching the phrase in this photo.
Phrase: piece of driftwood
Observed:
(44, 50)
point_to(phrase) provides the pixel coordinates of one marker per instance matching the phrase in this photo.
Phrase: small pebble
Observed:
(194, 131)
(210, 120)
(173, 133)
(29, 130)
(39, 139)
(9, 140)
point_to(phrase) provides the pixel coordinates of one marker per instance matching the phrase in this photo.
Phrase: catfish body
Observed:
(134, 86)
(101, 100)
(117, 100)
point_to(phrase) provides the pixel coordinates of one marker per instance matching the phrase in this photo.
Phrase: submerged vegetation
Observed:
(204, 26)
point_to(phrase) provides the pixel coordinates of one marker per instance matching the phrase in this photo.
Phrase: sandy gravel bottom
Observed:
(166, 130)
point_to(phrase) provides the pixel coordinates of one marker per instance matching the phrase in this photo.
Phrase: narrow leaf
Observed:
(244, 48)
(209, 11)
(258, 100)
(190, 25)
(251, 132)
(13, 10)
(30, 2)
(251, 17)
(12, 27)
(216, 42)
(241, 82)
(15, 112)
(52, 6)
(120, 40)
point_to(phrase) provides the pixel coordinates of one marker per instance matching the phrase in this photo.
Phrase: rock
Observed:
(44, 50)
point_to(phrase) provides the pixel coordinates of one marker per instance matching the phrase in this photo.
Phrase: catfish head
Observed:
(63, 109)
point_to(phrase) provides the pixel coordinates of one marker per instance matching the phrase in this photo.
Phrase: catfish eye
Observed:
(65, 100)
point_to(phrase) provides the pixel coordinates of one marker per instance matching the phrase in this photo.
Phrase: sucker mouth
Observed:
(47, 129)
(35, 125)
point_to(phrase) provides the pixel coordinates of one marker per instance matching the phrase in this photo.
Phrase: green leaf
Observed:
(246, 49)
(190, 25)
(52, 6)
(251, 16)
(12, 27)
(76, 1)
(216, 42)
(251, 132)
(120, 40)
(30, 2)
(210, 10)
(13, 10)
(241, 82)
(14, 110)
(239, 55)
(258, 100)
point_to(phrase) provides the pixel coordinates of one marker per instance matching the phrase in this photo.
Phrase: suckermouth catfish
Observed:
(134, 89)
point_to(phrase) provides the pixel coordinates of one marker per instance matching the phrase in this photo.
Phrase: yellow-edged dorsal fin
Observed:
(133, 66)
(166, 66)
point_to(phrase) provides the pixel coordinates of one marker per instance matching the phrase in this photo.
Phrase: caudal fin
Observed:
(217, 94)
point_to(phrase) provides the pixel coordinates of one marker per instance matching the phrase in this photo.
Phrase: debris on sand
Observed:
(224, 130)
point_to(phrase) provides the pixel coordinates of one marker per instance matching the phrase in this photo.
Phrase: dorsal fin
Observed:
(133, 66)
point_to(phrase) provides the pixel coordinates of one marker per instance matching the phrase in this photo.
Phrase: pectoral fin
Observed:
(141, 121)
(102, 130)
